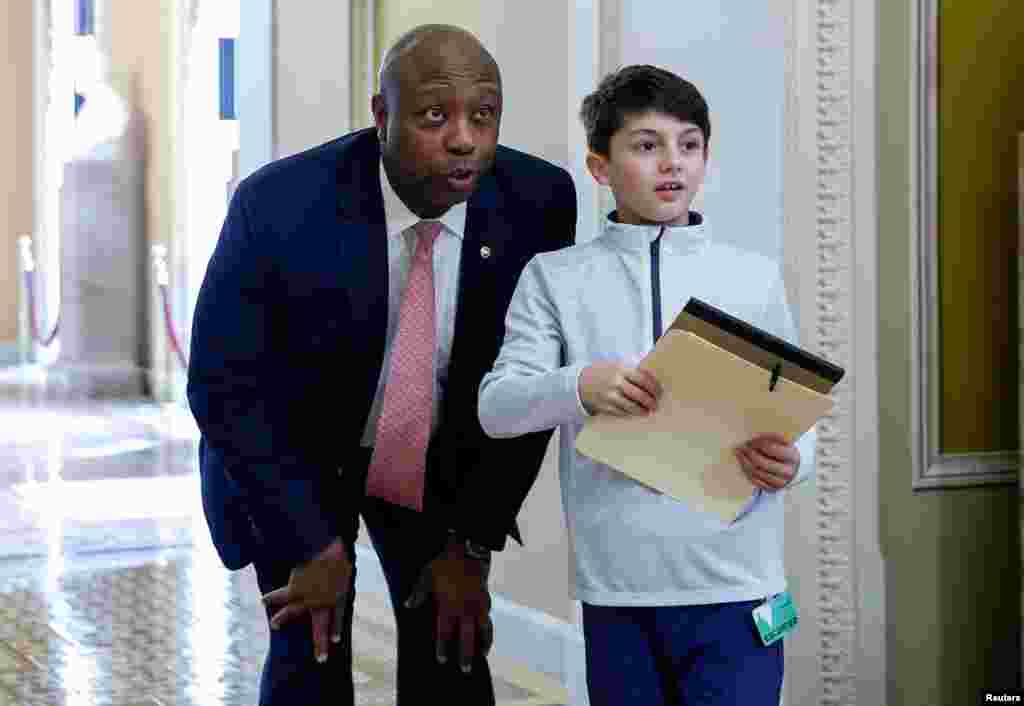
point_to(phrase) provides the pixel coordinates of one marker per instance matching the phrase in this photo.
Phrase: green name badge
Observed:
(775, 617)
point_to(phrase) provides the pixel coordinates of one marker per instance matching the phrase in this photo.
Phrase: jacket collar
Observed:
(688, 239)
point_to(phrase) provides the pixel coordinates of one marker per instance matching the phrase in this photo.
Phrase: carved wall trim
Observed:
(834, 231)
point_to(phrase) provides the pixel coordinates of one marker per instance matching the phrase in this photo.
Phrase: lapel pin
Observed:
(485, 252)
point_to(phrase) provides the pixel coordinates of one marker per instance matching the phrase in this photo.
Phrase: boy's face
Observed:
(655, 166)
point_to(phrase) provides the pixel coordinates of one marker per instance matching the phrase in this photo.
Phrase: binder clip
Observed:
(776, 371)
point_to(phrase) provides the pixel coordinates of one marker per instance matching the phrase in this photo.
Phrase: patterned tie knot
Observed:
(427, 232)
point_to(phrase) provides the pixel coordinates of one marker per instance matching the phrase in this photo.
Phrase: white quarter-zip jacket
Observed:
(597, 301)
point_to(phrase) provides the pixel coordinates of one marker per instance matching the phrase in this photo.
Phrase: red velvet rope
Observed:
(48, 339)
(168, 322)
(32, 321)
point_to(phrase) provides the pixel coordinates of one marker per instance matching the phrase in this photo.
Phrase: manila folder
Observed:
(712, 401)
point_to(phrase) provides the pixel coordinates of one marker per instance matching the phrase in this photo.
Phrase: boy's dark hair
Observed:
(638, 89)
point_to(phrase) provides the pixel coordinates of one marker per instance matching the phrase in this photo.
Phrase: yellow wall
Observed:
(981, 110)
(396, 18)
(16, 169)
(951, 557)
(392, 18)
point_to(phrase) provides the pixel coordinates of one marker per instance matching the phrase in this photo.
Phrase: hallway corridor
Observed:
(110, 592)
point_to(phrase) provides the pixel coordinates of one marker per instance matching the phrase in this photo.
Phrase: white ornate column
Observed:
(851, 571)
(834, 230)
(831, 212)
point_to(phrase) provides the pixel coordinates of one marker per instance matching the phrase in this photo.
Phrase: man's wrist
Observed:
(471, 549)
(479, 552)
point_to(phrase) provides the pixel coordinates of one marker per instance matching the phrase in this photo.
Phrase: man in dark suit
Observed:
(354, 302)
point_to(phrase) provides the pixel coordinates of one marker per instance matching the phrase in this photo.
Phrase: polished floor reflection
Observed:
(110, 592)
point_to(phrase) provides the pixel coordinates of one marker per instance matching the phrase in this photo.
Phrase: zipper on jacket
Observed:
(656, 283)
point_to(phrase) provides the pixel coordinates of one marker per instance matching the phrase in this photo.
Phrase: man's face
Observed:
(655, 166)
(440, 125)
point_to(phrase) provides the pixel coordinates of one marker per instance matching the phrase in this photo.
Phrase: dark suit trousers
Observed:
(405, 541)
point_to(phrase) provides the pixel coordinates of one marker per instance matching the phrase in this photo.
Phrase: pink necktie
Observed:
(398, 466)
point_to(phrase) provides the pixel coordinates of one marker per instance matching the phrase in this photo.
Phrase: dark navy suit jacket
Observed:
(288, 344)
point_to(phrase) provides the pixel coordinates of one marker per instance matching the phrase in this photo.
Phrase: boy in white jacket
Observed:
(667, 591)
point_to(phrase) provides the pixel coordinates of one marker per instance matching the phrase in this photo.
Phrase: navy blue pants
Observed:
(405, 541)
(290, 673)
(704, 655)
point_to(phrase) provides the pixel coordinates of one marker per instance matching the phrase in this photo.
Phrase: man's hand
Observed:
(463, 604)
(319, 588)
(769, 461)
(621, 390)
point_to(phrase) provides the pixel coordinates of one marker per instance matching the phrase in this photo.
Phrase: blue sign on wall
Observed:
(85, 17)
(227, 79)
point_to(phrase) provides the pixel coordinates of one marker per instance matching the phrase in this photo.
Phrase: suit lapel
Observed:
(482, 248)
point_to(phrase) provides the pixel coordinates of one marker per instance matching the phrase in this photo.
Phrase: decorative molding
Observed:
(931, 467)
(834, 231)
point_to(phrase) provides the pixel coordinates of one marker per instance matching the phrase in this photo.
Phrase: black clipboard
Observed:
(777, 357)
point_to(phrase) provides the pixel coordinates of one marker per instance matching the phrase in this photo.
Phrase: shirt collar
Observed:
(399, 218)
(684, 239)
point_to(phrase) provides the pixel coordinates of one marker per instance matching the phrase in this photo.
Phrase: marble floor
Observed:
(110, 592)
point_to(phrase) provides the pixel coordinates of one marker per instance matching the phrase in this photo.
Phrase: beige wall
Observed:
(394, 17)
(142, 36)
(952, 556)
(311, 84)
(16, 169)
(502, 27)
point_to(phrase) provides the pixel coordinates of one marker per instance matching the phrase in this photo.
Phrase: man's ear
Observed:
(379, 109)
(598, 167)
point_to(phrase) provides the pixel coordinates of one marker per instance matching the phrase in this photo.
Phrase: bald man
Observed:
(353, 304)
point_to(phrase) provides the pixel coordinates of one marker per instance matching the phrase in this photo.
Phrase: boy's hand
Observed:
(769, 461)
(614, 388)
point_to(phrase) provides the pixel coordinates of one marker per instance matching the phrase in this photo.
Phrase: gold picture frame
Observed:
(934, 466)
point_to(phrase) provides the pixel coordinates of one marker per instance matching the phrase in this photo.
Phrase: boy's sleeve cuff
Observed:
(574, 372)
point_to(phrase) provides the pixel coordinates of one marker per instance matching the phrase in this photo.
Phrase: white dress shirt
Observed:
(400, 222)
